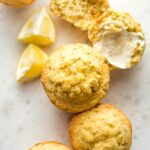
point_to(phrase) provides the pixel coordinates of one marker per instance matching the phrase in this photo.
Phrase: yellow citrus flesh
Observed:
(39, 29)
(31, 63)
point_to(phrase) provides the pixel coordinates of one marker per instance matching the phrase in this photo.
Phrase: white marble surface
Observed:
(27, 117)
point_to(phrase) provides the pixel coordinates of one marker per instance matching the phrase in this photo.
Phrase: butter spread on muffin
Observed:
(76, 77)
(80, 13)
(119, 38)
(101, 128)
(49, 146)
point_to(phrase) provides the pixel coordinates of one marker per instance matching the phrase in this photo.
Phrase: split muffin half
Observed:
(118, 37)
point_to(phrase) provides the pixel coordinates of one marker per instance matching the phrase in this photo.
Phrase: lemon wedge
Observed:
(31, 63)
(39, 29)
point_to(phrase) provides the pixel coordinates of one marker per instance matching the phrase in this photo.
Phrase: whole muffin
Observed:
(101, 128)
(49, 146)
(119, 38)
(75, 77)
(81, 13)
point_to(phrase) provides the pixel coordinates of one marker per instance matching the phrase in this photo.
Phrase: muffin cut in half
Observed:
(101, 128)
(81, 13)
(76, 77)
(119, 38)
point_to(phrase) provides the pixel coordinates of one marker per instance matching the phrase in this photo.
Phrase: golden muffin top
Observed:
(119, 38)
(49, 146)
(80, 13)
(101, 128)
(17, 3)
(75, 77)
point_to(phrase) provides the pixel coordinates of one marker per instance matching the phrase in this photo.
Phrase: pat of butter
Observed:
(117, 44)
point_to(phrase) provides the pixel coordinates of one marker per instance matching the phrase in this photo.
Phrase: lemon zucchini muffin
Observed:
(49, 146)
(119, 38)
(101, 128)
(81, 13)
(17, 3)
(75, 77)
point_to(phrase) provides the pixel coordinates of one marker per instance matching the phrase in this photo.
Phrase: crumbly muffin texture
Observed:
(76, 77)
(115, 34)
(119, 38)
(49, 146)
(81, 13)
(102, 128)
(110, 15)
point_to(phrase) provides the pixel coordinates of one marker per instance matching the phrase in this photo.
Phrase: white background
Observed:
(26, 115)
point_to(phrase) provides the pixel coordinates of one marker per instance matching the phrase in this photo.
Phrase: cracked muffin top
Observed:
(75, 77)
(101, 128)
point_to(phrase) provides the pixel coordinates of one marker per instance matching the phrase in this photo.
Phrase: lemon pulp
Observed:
(39, 29)
(31, 63)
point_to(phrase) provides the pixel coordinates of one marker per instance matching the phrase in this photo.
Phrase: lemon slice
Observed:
(31, 63)
(39, 29)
